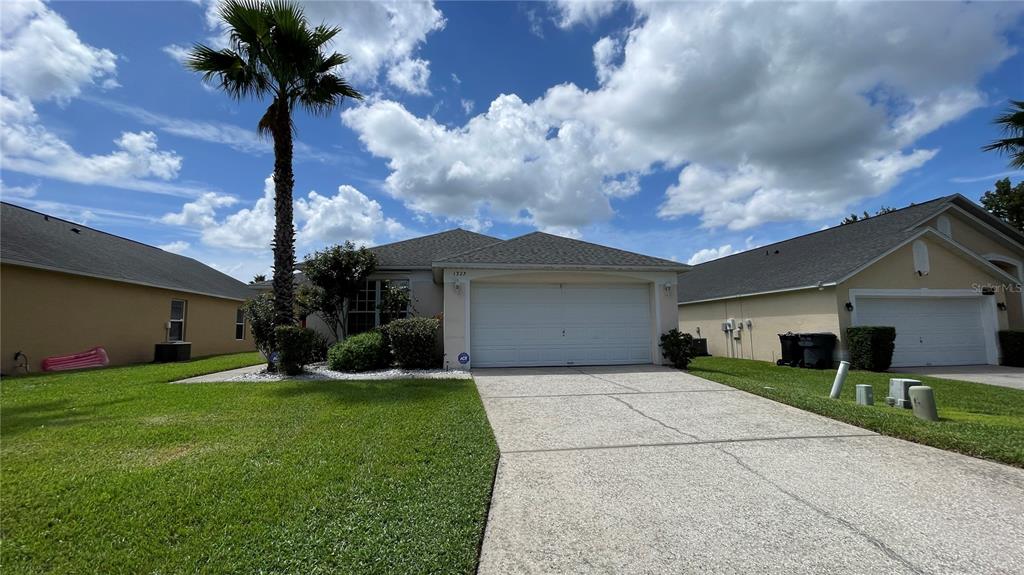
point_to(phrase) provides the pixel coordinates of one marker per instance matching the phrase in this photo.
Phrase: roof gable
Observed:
(421, 252)
(822, 257)
(539, 249)
(37, 240)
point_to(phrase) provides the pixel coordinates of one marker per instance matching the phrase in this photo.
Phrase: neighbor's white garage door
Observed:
(552, 324)
(929, 330)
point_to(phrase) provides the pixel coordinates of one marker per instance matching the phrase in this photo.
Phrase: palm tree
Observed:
(274, 53)
(1013, 128)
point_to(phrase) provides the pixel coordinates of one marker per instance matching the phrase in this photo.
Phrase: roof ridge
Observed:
(944, 199)
(417, 238)
(49, 217)
(492, 244)
(602, 246)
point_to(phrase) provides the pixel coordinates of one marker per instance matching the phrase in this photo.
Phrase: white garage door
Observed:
(552, 324)
(929, 330)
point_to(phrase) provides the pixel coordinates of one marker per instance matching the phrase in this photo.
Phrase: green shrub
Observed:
(294, 347)
(677, 347)
(871, 347)
(362, 352)
(259, 312)
(1012, 344)
(321, 343)
(413, 342)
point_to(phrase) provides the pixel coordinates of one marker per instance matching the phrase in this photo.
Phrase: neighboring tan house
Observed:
(66, 288)
(534, 300)
(946, 274)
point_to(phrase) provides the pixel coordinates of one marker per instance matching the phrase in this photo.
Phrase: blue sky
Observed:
(679, 130)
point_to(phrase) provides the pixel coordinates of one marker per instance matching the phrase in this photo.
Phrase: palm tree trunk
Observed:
(284, 228)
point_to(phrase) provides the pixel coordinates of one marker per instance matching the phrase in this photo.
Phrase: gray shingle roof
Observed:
(423, 251)
(825, 256)
(37, 240)
(541, 249)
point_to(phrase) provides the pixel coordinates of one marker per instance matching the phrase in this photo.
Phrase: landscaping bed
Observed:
(320, 372)
(976, 419)
(113, 470)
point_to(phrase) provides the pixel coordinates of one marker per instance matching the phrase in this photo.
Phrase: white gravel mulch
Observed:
(319, 372)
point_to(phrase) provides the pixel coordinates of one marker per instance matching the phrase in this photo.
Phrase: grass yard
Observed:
(977, 419)
(116, 471)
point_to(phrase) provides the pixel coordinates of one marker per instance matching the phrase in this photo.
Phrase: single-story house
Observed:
(946, 274)
(533, 300)
(66, 288)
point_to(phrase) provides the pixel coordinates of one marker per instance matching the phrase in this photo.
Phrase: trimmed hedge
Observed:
(1012, 344)
(294, 347)
(413, 342)
(362, 352)
(871, 347)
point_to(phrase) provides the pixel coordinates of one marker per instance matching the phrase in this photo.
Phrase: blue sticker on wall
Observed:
(463, 358)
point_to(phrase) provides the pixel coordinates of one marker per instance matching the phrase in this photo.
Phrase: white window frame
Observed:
(182, 321)
(239, 313)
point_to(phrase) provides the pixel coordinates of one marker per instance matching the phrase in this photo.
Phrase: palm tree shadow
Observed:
(59, 413)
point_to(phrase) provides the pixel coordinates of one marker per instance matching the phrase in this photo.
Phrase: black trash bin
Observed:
(792, 354)
(817, 349)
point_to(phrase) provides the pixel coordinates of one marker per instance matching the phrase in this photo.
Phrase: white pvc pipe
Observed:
(837, 385)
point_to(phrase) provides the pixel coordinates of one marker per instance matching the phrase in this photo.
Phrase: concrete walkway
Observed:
(1001, 375)
(651, 470)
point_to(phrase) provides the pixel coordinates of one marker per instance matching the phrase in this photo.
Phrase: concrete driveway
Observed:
(650, 470)
(1001, 375)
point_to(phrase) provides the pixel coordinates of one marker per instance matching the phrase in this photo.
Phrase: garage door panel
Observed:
(930, 330)
(520, 325)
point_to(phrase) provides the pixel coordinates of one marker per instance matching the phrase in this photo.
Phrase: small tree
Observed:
(335, 276)
(855, 218)
(259, 312)
(394, 302)
(1006, 202)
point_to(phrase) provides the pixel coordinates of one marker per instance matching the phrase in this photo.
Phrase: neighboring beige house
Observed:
(534, 300)
(65, 288)
(946, 274)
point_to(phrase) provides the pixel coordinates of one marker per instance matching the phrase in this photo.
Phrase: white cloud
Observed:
(348, 215)
(573, 12)
(375, 35)
(770, 112)
(135, 164)
(411, 75)
(320, 220)
(467, 106)
(17, 191)
(236, 137)
(606, 50)
(200, 213)
(175, 247)
(456, 80)
(709, 254)
(44, 59)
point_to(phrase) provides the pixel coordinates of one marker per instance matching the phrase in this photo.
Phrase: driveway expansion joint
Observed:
(606, 380)
(711, 442)
(598, 394)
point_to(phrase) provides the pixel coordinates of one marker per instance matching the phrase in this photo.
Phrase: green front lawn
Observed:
(977, 419)
(116, 471)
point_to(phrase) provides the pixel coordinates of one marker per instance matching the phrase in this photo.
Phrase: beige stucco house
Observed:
(66, 288)
(534, 300)
(946, 274)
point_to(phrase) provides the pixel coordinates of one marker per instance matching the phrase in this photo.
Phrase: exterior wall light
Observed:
(1001, 306)
(849, 306)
